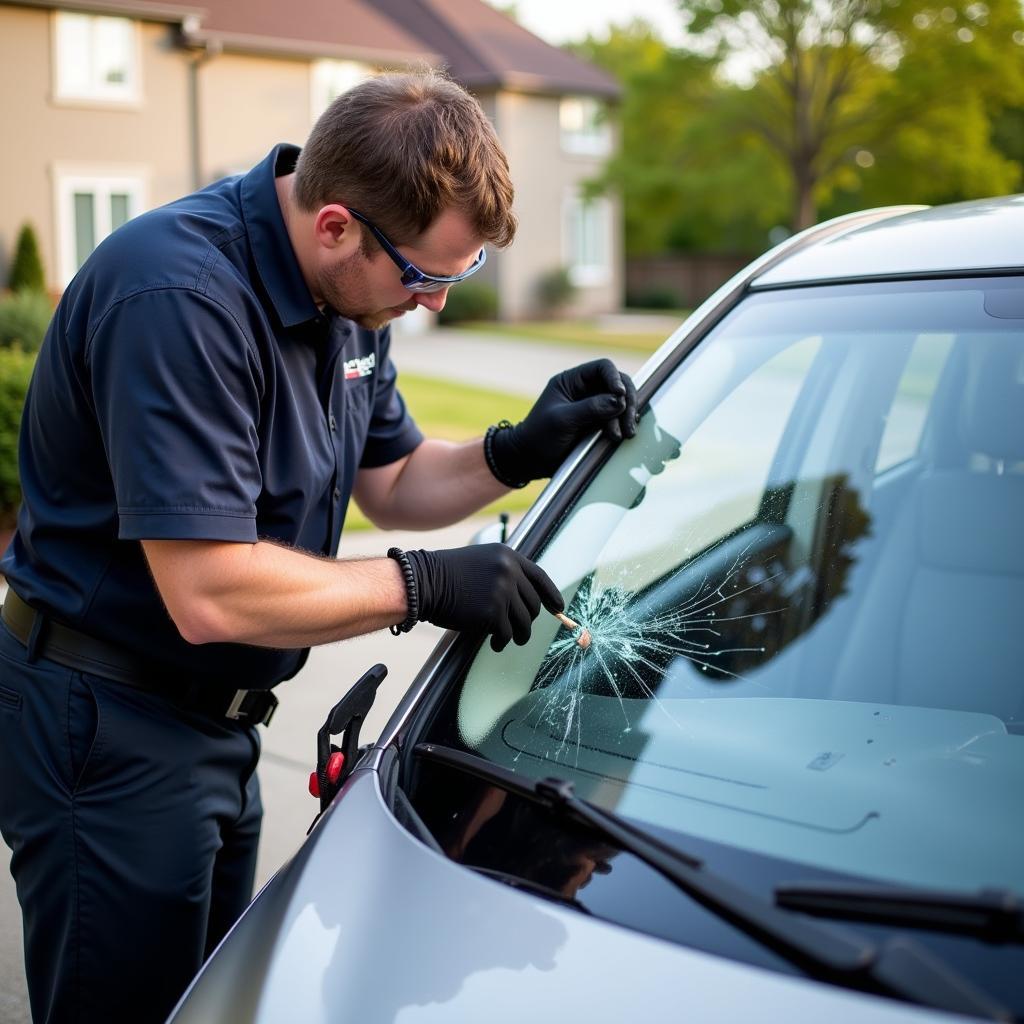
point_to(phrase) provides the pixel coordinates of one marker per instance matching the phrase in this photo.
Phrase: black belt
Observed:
(47, 638)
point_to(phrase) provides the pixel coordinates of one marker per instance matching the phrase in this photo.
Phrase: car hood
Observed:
(366, 923)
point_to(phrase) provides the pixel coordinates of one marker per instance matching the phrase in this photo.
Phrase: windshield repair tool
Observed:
(334, 764)
(582, 633)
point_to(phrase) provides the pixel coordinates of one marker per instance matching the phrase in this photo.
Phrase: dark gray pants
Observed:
(134, 828)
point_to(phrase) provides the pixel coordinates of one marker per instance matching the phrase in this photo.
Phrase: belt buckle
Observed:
(237, 711)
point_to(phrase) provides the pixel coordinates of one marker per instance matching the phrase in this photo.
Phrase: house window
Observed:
(96, 58)
(88, 209)
(588, 239)
(585, 129)
(330, 78)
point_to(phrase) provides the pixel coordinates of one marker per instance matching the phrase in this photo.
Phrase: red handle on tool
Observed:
(334, 765)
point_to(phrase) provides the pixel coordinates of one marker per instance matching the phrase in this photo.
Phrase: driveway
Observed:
(497, 362)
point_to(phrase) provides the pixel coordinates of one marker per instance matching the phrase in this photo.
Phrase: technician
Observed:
(215, 385)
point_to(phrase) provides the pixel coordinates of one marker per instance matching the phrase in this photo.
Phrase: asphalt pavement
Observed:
(289, 744)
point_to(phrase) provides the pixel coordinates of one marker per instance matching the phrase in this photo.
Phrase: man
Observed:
(214, 386)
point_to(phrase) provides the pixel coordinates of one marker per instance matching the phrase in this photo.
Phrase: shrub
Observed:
(15, 371)
(656, 297)
(24, 317)
(555, 289)
(472, 300)
(27, 269)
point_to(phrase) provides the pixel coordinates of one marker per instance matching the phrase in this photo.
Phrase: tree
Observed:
(837, 83)
(27, 269)
(685, 182)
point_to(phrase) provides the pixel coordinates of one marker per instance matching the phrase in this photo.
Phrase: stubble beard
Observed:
(344, 288)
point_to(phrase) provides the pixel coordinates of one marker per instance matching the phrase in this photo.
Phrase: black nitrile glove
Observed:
(575, 403)
(485, 587)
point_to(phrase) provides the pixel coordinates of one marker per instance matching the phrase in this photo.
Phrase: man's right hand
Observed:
(485, 588)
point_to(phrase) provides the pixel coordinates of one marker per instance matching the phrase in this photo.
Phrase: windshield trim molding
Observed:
(909, 276)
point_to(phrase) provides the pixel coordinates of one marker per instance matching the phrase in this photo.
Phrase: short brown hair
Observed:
(400, 149)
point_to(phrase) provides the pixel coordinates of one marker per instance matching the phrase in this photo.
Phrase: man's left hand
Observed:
(575, 403)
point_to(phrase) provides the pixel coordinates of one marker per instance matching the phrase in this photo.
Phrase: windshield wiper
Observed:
(996, 915)
(898, 967)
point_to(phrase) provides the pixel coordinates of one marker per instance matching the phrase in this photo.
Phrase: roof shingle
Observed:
(483, 47)
(324, 28)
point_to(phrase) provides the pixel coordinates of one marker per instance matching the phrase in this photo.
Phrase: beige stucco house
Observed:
(111, 107)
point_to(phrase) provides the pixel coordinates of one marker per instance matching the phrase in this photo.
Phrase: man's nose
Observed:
(434, 301)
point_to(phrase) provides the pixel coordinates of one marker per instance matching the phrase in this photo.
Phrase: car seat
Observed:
(940, 624)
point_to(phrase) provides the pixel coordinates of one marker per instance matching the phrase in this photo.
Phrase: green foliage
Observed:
(471, 300)
(24, 317)
(27, 268)
(1008, 138)
(15, 371)
(860, 102)
(655, 297)
(555, 289)
(688, 179)
(788, 111)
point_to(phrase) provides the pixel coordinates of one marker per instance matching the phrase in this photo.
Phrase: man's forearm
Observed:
(440, 483)
(269, 595)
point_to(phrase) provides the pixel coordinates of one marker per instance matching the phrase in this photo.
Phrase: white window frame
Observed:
(585, 131)
(582, 273)
(96, 92)
(102, 182)
(326, 75)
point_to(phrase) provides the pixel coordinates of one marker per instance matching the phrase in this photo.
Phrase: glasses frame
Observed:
(414, 279)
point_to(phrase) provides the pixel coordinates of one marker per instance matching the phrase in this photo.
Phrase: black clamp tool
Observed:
(334, 764)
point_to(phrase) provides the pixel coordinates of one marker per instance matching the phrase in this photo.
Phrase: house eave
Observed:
(140, 9)
(538, 85)
(241, 42)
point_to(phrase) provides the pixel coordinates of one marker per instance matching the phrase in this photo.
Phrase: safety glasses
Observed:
(413, 279)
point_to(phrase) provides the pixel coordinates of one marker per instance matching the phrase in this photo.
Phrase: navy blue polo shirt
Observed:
(189, 388)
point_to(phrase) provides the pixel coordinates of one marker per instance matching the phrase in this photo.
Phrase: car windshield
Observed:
(803, 581)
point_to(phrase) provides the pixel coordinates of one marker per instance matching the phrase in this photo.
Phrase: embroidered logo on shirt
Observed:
(361, 366)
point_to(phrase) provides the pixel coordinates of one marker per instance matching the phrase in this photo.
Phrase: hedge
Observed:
(472, 300)
(15, 372)
(27, 268)
(24, 317)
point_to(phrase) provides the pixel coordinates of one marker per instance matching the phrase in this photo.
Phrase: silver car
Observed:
(785, 780)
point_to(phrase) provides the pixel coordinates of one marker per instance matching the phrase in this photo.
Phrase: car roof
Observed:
(983, 235)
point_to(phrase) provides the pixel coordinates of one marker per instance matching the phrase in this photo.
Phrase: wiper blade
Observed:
(996, 915)
(899, 967)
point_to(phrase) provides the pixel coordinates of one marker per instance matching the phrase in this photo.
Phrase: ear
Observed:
(334, 227)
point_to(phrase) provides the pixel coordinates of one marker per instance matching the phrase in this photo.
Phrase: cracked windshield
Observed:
(794, 592)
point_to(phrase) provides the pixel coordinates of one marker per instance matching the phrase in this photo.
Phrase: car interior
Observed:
(935, 622)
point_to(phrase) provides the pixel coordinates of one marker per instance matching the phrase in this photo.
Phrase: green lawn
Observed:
(458, 412)
(574, 332)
